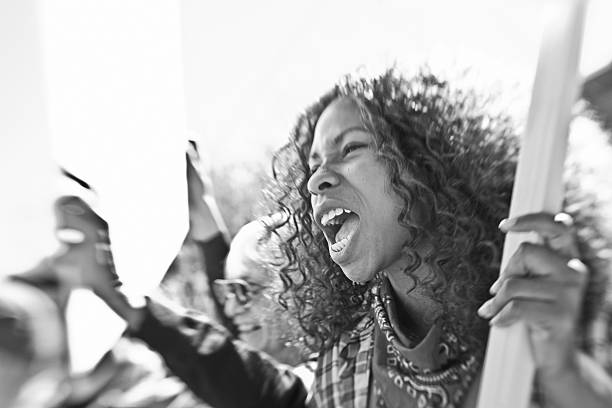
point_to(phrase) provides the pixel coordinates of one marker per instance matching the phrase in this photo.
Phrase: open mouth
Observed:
(339, 226)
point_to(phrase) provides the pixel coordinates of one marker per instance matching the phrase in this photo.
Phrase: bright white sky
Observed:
(118, 93)
(252, 66)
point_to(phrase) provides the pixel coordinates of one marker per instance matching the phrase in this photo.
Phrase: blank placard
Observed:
(116, 116)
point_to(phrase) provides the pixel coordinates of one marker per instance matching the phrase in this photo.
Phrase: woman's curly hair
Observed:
(445, 154)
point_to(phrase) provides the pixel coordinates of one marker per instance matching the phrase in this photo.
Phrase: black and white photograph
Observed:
(306, 204)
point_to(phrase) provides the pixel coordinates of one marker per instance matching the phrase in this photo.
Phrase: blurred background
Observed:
(111, 90)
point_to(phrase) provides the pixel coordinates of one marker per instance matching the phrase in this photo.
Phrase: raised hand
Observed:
(205, 219)
(87, 260)
(543, 286)
(86, 256)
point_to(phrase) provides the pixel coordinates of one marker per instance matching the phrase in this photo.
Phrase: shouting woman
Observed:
(393, 189)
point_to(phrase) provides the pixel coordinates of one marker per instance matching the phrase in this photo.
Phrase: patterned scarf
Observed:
(435, 373)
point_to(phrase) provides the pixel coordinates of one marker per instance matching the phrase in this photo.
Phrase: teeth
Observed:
(328, 218)
(340, 245)
(324, 219)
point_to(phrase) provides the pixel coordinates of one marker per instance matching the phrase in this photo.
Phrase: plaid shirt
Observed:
(342, 377)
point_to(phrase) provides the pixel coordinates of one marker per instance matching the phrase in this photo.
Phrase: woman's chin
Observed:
(357, 274)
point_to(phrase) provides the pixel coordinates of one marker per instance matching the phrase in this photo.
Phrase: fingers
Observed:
(69, 236)
(542, 315)
(538, 260)
(542, 284)
(79, 224)
(87, 243)
(531, 300)
(544, 223)
(74, 216)
(557, 231)
(558, 247)
(104, 256)
(198, 179)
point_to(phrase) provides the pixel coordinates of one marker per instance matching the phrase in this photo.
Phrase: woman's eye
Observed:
(352, 147)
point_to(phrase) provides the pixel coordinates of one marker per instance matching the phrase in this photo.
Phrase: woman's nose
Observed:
(322, 179)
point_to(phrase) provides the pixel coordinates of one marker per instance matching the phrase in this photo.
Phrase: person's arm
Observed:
(204, 356)
(207, 229)
(221, 372)
(214, 251)
(205, 220)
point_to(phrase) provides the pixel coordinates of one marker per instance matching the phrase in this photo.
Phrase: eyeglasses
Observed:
(242, 291)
